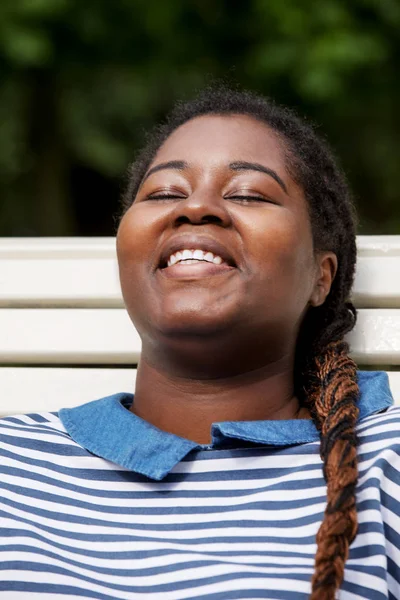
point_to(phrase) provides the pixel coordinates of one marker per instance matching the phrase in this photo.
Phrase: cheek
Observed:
(137, 235)
(282, 245)
(133, 244)
(132, 240)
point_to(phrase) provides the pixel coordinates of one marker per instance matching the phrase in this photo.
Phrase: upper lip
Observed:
(194, 242)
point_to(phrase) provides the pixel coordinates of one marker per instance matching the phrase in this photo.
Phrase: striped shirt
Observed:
(97, 503)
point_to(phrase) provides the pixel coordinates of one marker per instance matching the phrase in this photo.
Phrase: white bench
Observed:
(65, 337)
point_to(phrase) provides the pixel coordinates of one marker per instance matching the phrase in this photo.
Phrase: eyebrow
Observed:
(250, 166)
(180, 165)
(177, 165)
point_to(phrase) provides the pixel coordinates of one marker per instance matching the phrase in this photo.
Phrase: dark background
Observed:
(81, 80)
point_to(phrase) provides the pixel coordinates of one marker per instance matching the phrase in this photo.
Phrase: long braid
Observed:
(335, 409)
(325, 376)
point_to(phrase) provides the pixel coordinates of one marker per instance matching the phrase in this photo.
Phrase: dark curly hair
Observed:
(325, 376)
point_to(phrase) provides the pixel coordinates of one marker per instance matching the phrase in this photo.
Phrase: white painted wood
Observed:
(82, 272)
(99, 247)
(378, 245)
(91, 282)
(36, 389)
(68, 336)
(376, 337)
(377, 282)
(107, 336)
(57, 247)
(394, 380)
(60, 304)
(78, 282)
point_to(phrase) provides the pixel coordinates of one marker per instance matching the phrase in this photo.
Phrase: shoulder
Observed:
(34, 422)
(378, 489)
(40, 431)
(379, 442)
(384, 424)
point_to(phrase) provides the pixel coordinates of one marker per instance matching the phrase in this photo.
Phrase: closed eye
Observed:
(165, 196)
(246, 198)
(243, 198)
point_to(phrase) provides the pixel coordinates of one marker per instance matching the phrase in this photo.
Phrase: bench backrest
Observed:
(65, 337)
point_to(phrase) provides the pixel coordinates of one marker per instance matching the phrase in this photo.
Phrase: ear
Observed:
(326, 267)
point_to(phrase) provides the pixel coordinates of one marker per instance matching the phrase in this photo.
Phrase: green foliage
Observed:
(81, 81)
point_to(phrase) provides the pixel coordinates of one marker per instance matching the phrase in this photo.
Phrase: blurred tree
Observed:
(81, 81)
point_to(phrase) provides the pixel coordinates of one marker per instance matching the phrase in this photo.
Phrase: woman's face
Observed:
(219, 186)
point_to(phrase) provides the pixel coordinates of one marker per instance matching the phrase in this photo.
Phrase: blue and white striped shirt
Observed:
(97, 503)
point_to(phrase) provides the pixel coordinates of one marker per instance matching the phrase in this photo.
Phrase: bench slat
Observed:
(35, 389)
(67, 282)
(376, 338)
(78, 319)
(68, 336)
(106, 336)
(82, 272)
(377, 282)
(26, 390)
(98, 247)
(57, 247)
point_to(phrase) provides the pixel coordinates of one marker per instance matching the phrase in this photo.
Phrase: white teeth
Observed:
(199, 254)
(189, 257)
(187, 254)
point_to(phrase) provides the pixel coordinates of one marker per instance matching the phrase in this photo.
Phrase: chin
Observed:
(189, 324)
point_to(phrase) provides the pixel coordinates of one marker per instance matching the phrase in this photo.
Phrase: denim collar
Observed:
(108, 429)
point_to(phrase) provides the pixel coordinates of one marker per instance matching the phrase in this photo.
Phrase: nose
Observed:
(201, 208)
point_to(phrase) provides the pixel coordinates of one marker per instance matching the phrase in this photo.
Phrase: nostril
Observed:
(184, 219)
(211, 219)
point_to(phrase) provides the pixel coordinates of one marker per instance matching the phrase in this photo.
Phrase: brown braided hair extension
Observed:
(324, 375)
(334, 406)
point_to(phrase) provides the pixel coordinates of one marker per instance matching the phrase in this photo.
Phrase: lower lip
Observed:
(201, 269)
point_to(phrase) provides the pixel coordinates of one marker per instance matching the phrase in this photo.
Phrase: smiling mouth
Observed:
(194, 256)
(195, 262)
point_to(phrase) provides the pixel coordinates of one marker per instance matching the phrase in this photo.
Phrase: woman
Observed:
(254, 461)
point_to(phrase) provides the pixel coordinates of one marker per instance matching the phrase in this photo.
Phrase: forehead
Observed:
(213, 139)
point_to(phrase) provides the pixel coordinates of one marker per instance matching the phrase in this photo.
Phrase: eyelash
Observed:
(164, 197)
(244, 198)
(249, 198)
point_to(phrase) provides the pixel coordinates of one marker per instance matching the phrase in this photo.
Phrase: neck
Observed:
(187, 406)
